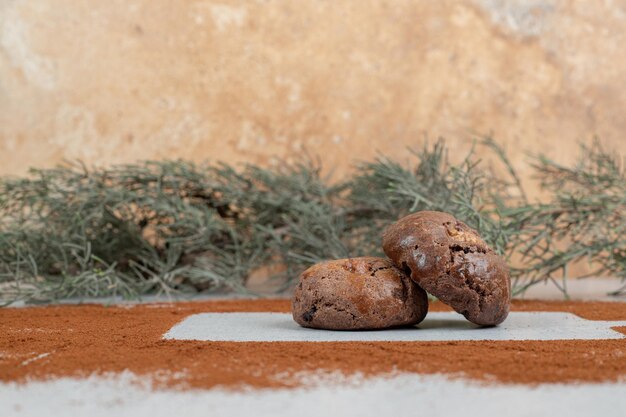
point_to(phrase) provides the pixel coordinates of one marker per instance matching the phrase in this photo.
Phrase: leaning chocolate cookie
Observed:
(357, 293)
(448, 259)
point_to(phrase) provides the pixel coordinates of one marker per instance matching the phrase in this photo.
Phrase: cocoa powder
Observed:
(49, 342)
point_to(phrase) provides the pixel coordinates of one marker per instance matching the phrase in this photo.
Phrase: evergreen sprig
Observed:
(584, 218)
(175, 226)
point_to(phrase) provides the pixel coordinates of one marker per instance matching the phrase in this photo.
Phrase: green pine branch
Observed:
(175, 226)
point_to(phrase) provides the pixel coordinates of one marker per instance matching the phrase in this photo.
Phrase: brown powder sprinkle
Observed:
(49, 342)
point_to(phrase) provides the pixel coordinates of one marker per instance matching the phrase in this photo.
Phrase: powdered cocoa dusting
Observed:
(48, 342)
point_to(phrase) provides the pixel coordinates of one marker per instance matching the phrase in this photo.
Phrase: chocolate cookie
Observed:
(450, 260)
(357, 293)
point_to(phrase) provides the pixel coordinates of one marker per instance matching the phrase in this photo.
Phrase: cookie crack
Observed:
(467, 280)
(404, 292)
(373, 273)
(466, 249)
(339, 309)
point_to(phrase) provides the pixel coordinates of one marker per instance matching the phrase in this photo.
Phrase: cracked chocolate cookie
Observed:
(357, 293)
(448, 259)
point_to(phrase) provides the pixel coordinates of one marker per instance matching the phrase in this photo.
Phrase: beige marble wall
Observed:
(122, 80)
